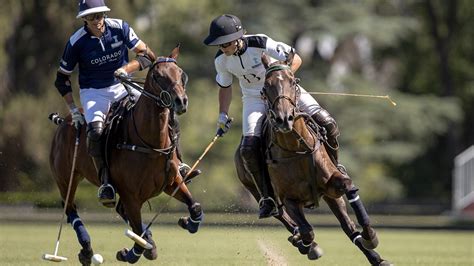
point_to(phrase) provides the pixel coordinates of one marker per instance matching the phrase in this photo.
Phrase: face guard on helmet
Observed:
(224, 29)
(87, 7)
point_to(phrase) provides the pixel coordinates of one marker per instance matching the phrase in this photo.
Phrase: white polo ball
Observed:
(97, 259)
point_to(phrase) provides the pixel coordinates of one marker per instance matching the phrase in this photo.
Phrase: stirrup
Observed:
(264, 205)
(106, 195)
(184, 170)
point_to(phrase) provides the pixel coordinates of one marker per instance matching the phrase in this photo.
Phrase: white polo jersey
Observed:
(247, 65)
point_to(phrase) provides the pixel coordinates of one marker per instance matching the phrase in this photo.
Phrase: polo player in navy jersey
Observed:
(100, 48)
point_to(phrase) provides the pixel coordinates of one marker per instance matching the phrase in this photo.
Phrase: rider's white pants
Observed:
(254, 109)
(96, 102)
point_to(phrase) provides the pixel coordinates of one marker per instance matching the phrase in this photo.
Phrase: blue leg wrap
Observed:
(134, 254)
(81, 232)
(358, 207)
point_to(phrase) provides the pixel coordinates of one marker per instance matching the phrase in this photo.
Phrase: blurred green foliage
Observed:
(393, 153)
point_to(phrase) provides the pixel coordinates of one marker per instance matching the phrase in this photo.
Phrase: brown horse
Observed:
(301, 170)
(141, 156)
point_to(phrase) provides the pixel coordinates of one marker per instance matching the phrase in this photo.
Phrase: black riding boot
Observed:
(252, 157)
(106, 191)
(324, 119)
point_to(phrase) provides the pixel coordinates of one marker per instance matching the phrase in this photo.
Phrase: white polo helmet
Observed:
(87, 7)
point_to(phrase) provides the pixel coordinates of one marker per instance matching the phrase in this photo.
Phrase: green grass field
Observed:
(24, 244)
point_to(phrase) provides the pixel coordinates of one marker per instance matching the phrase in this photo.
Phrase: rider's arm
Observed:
(225, 98)
(63, 84)
(145, 57)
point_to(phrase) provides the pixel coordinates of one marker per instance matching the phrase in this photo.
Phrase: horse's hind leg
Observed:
(150, 254)
(305, 244)
(369, 237)
(338, 207)
(196, 215)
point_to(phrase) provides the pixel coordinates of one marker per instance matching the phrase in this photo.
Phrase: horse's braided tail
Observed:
(55, 118)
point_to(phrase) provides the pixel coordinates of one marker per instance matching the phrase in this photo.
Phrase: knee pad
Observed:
(324, 119)
(94, 137)
(94, 130)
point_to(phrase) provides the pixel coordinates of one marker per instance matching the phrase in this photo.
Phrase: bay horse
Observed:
(300, 169)
(141, 154)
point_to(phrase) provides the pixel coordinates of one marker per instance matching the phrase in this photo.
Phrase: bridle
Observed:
(271, 104)
(164, 99)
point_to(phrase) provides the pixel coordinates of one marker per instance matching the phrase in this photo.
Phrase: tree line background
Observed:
(420, 52)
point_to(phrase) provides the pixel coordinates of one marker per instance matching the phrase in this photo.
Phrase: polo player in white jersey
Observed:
(239, 56)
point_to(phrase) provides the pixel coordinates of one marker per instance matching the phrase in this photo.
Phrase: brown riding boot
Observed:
(252, 158)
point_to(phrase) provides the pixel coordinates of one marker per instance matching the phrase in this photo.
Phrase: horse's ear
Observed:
(289, 58)
(265, 60)
(175, 52)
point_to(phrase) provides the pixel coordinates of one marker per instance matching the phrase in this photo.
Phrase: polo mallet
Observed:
(354, 95)
(55, 257)
(139, 239)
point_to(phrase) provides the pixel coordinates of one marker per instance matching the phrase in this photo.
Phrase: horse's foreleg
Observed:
(196, 215)
(132, 209)
(73, 218)
(150, 254)
(286, 220)
(83, 237)
(369, 237)
(338, 207)
(304, 243)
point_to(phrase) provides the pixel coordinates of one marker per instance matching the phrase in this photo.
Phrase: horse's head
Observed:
(168, 81)
(281, 92)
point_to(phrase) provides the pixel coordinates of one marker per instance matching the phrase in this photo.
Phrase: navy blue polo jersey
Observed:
(98, 58)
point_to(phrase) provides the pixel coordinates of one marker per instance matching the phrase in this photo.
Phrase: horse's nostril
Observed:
(279, 121)
(290, 118)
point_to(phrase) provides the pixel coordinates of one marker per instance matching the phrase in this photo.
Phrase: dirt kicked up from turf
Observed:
(271, 255)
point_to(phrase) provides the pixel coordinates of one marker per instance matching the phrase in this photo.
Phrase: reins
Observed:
(164, 101)
(299, 138)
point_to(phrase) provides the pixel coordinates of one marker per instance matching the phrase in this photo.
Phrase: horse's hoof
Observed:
(122, 254)
(301, 247)
(189, 224)
(369, 239)
(85, 257)
(385, 263)
(315, 252)
(293, 239)
(151, 254)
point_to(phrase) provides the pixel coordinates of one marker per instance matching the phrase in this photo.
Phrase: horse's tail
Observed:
(55, 118)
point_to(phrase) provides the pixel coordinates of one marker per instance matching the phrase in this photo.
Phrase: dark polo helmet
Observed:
(87, 7)
(224, 29)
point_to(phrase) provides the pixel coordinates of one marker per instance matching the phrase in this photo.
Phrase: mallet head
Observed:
(54, 258)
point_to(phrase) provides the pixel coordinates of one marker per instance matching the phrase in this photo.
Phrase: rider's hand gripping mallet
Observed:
(54, 257)
(139, 239)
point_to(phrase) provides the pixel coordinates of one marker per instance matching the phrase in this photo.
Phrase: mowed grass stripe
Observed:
(25, 243)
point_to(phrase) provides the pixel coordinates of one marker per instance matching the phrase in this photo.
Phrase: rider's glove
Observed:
(77, 117)
(120, 73)
(223, 124)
